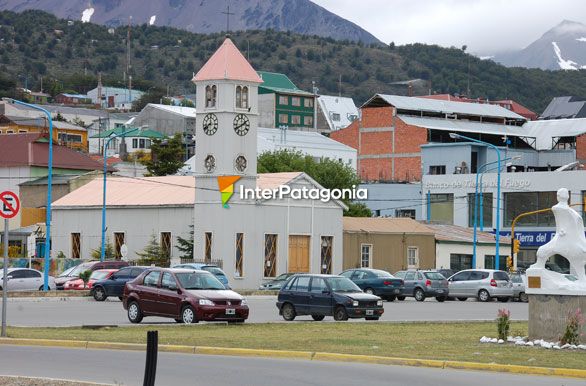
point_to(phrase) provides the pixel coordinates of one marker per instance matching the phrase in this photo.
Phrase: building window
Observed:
(239, 272)
(211, 96)
(166, 244)
(22, 131)
(135, 143)
(486, 210)
(459, 261)
(208, 247)
(9, 131)
(326, 254)
(76, 245)
(489, 262)
(142, 143)
(118, 243)
(308, 121)
(270, 268)
(295, 119)
(412, 257)
(283, 100)
(441, 208)
(410, 213)
(295, 101)
(437, 169)
(242, 97)
(335, 117)
(308, 102)
(521, 202)
(283, 118)
(365, 255)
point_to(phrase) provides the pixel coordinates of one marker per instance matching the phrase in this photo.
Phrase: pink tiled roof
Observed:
(227, 63)
(151, 191)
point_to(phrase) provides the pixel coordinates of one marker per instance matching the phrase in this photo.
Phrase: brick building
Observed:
(392, 128)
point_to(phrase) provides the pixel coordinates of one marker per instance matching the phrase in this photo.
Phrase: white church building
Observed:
(261, 237)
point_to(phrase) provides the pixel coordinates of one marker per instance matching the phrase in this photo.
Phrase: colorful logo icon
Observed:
(226, 185)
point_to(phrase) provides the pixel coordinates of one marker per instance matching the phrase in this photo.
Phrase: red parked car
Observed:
(100, 274)
(186, 295)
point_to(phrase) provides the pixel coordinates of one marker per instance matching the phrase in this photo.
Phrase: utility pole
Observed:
(41, 84)
(128, 66)
(340, 85)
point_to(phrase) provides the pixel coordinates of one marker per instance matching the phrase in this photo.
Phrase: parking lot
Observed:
(86, 311)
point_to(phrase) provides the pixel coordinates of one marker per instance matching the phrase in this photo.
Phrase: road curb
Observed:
(305, 355)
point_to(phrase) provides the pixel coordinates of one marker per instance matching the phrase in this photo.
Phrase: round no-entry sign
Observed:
(9, 204)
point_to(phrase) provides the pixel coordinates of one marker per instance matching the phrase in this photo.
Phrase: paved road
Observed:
(85, 311)
(127, 368)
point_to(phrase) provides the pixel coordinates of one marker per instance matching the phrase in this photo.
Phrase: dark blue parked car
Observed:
(326, 295)
(376, 282)
(114, 285)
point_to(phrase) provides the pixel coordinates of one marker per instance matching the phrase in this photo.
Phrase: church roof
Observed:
(227, 63)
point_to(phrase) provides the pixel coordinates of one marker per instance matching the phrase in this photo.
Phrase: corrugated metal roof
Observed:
(152, 191)
(277, 80)
(547, 131)
(42, 121)
(189, 112)
(143, 133)
(297, 140)
(454, 233)
(385, 225)
(565, 107)
(446, 107)
(345, 107)
(79, 96)
(456, 125)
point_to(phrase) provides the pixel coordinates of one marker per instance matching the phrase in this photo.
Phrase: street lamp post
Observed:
(113, 136)
(49, 191)
(498, 194)
(480, 193)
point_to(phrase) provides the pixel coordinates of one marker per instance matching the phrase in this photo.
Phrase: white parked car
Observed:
(25, 279)
(483, 284)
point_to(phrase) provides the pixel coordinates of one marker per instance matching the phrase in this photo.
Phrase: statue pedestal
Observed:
(552, 297)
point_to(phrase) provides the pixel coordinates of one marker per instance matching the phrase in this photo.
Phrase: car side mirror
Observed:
(179, 292)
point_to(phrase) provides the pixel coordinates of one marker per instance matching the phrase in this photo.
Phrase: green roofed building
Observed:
(281, 103)
(135, 141)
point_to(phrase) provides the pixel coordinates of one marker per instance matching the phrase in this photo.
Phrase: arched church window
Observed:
(239, 96)
(211, 95)
(242, 97)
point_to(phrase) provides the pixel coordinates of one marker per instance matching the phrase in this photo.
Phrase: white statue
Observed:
(569, 241)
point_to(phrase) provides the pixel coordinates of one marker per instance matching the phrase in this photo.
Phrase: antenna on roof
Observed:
(228, 13)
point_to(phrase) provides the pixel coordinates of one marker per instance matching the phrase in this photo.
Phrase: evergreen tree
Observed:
(186, 245)
(110, 254)
(153, 253)
(166, 156)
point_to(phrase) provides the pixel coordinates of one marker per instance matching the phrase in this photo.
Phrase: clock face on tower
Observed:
(241, 124)
(210, 124)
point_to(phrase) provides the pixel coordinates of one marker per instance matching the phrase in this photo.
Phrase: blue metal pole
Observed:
(428, 206)
(475, 237)
(49, 196)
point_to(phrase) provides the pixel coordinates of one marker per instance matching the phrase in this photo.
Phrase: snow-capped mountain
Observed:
(561, 48)
(204, 16)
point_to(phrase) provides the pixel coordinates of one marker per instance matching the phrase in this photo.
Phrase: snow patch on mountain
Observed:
(581, 39)
(564, 64)
(152, 20)
(86, 15)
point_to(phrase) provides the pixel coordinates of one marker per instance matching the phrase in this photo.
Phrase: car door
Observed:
(320, 297)
(32, 280)
(115, 286)
(301, 295)
(409, 283)
(169, 299)
(456, 283)
(475, 282)
(359, 278)
(16, 280)
(149, 292)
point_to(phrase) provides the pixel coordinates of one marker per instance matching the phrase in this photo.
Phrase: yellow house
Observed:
(64, 133)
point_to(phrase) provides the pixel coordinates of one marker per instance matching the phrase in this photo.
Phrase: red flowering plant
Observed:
(574, 325)
(503, 323)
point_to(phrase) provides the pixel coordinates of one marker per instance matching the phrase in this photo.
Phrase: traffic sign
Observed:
(9, 204)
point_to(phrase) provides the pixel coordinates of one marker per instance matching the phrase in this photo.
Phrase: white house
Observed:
(114, 97)
(335, 112)
(168, 120)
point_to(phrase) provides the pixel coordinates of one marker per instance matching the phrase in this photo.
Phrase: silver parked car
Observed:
(519, 283)
(25, 279)
(483, 284)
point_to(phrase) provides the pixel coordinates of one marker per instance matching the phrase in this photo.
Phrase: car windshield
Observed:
(67, 272)
(499, 275)
(342, 284)
(97, 275)
(400, 274)
(282, 277)
(214, 270)
(434, 276)
(80, 268)
(199, 281)
(380, 273)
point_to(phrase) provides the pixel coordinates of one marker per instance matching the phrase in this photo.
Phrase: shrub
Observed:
(503, 323)
(573, 327)
(85, 276)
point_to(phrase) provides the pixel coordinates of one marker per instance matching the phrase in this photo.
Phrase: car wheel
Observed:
(523, 297)
(318, 318)
(401, 298)
(288, 312)
(369, 291)
(188, 315)
(371, 318)
(340, 314)
(462, 299)
(41, 288)
(441, 299)
(134, 312)
(483, 296)
(504, 300)
(100, 294)
(391, 298)
(419, 295)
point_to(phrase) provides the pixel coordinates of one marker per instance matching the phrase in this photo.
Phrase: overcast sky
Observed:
(485, 26)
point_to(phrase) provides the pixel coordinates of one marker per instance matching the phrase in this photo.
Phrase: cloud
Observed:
(485, 26)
